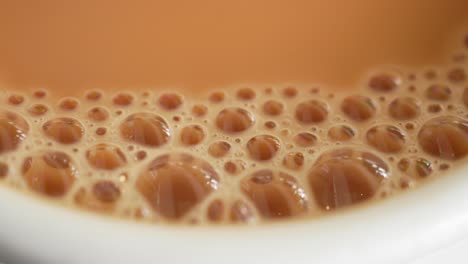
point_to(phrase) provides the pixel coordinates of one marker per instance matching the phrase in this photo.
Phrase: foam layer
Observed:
(246, 154)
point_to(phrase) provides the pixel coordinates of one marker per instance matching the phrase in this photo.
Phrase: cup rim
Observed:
(395, 229)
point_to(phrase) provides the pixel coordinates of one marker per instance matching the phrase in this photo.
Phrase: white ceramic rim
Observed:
(391, 231)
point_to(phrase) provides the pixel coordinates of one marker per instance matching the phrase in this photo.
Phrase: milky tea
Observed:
(212, 112)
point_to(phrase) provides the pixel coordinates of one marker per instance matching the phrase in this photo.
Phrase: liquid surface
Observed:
(207, 112)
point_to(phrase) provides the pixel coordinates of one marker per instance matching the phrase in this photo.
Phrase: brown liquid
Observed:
(204, 45)
(240, 113)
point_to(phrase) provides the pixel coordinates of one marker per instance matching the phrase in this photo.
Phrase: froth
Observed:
(246, 154)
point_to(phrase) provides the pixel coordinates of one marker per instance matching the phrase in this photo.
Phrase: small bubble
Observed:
(93, 95)
(293, 160)
(16, 99)
(192, 135)
(311, 111)
(273, 108)
(145, 129)
(263, 147)
(170, 101)
(241, 212)
(215, 211)
(270, 124)
(140, 155)
(245, 94)
(98, 114)
(64, 130)
(268, 90)
(456, 75)
(216, 97)
(234, 167)
(386, 138)
(40, 94)
(68, 104)
(199, 110)
(445, 137)
(123, 99)
(404, 108)
(438, 92)
(409, 126)
(106, 191)
(384, 82)
(444, 166)
(305, 139)
(176, 118)
(289, 92)
(341, 133)
(219, 149)
(358, 108)
(434, 108)
(101, 131)
(234, 120)
(38, 109)
(105, 157)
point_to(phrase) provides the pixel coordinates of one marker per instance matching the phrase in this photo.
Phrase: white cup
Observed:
(394, 230)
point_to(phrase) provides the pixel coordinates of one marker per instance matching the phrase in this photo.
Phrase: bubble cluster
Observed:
(239, 155)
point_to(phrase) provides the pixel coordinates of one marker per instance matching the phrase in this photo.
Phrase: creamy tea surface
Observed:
(248, 112)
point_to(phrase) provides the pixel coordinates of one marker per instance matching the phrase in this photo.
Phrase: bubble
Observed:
(39, 94)
(234, 120)
(215, 211)
(415, 167)
(98, 114)
(386, 138)
(93, 95)
(434, 108)
(456, 75)
(3, 170)
(175, 183)
(444, 166)
(430, 74)
(245, 94)
(263, 147)
(145, 129)
(64, 130)
(358, 108)
(51, 173)
(445, 137)
(343, 177)
(13, 131)
(234, 167)
(199, 110)
(192, 135)
(293, 160)
(273, 108)
(241, 212)
(404, 108)
(384, 82)
(141, 155)
(465, 97)
(106, 191)
(438, 92)
(275, 194)
(219, 149)
(16, 99)
(68, 104)
(101, 131)
(170, 101)
(122, 99)
(409, 126)
(341, 133)
(216, 97)
(305, 139)
(289, 92)
(270, 125)
(105, 157)
(38, 109)
(311, 111)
